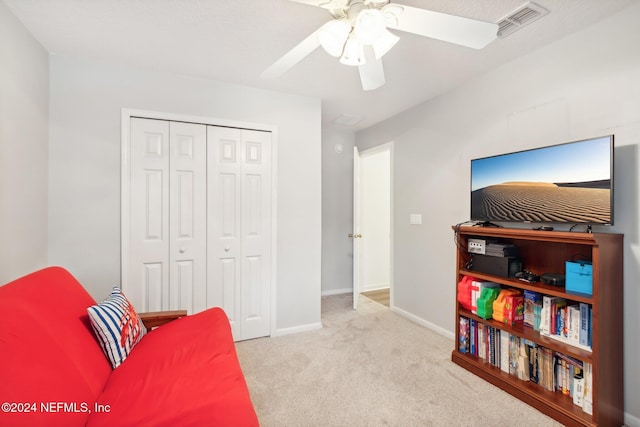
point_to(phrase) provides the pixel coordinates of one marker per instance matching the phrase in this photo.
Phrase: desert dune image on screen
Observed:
(562, 183)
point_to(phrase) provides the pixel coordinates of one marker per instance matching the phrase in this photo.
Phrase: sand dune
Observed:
(537, 203)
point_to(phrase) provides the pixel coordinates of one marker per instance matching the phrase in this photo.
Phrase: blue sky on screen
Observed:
(573, 162)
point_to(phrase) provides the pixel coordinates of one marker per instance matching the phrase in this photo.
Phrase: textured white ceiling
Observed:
(235, 40)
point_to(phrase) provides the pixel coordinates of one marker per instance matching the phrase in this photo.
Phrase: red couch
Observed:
(54, 373)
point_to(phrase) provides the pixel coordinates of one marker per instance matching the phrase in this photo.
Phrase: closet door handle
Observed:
(181, 250)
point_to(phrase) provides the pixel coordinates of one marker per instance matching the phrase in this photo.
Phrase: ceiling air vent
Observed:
(347, 120)
(519, 18)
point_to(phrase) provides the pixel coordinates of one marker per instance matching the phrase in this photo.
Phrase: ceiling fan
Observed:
(359, 34)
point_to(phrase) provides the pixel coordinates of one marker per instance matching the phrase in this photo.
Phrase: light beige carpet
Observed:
(371, 367)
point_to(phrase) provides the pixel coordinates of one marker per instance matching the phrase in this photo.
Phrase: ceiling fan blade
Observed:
(449, 28)
(291, 58)
(371, 72)
(327, 4)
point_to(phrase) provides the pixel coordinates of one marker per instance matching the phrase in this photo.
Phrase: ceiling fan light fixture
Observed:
(369, 26)
(384, 43)
(333, 36)
(353, 53)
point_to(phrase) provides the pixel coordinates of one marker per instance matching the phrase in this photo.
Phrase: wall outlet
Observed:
(476, 246)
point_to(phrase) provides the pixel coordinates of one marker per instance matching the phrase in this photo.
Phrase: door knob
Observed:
(354, 236)
(181, 250)
(227, 248)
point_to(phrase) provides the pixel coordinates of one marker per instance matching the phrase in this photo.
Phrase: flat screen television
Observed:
(564, 183)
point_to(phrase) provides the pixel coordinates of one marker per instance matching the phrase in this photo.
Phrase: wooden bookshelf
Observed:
(547, 251)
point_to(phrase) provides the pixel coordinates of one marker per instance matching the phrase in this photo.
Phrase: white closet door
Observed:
(149, 190)
(256, 234)
(168, 215)
(187, 217)
(223, 241)
(239, 228)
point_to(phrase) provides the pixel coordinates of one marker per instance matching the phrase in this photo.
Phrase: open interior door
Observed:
(355, 235)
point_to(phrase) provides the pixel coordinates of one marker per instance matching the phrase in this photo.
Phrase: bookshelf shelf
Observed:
(537, 287)
(545, 401)
(547, 251)
(532, 335)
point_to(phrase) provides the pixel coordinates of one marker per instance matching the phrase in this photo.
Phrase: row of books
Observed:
(528, 361)
(553, 317)
(569, 323)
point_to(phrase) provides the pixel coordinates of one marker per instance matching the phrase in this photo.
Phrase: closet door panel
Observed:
(188, 220)
(256, 234)
(224, 243)
(149, 201)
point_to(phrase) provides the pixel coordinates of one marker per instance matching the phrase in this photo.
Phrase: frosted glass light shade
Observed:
(369, 25)
(333, 37)
(384, 43)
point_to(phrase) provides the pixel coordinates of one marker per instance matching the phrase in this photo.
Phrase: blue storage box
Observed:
(579, 277)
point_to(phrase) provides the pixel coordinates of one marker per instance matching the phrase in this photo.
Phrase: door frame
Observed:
(125, 184)
(389, 146)
(355, 235)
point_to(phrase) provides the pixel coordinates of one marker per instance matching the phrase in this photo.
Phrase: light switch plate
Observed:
(415, 219)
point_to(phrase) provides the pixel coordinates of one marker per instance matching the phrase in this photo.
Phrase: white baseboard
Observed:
(297, 329)
(376, 287)
(336, 292)
(420, 321)
(630, 420)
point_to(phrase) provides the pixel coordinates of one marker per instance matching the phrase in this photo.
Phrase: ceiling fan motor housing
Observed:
(349, 9)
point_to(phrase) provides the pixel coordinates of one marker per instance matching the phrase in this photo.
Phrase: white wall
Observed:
(585, 85)
(84, 203)
(24, 117)
(337, 211)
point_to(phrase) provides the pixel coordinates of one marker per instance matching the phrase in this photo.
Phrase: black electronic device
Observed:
(564, 183)
(501, 249)
(552, 279)
(527, 276)
(496, 265)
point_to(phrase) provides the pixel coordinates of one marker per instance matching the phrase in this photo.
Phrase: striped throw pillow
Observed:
(117, 326)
